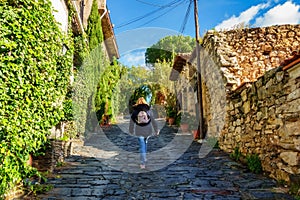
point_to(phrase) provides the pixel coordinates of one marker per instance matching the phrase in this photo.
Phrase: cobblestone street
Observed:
(107, 167)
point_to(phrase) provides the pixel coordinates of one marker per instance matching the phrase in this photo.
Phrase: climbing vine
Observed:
(34, 75)
(94, 29)
(89, 61)
(106, 100)
(96, 80)
(85, 88)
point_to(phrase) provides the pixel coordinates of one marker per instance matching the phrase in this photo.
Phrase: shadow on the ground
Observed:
(130, 143)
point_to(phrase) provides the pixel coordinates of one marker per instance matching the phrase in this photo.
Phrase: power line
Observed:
(148, 14)
(172, 8)
(151, 4)
(183, 25)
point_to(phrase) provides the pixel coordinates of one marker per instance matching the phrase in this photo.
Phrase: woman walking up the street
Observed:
(141, 124)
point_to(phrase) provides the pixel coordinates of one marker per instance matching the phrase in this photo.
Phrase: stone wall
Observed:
(261, 111)
(243, 55)
(54, 154)
(263, 118)
(214, 94)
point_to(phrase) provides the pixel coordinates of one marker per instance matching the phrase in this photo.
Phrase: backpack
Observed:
(143, 118)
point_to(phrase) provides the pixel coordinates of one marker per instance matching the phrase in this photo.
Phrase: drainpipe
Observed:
(103, 5)
(105, 11)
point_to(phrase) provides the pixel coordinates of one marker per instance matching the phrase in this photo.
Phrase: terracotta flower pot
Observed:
(171, 120)
(195, 134)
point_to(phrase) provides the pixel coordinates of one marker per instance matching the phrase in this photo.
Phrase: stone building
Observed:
(250, 81)
(183, 75)
(82, 12)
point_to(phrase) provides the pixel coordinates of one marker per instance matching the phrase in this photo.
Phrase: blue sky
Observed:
(135, 20)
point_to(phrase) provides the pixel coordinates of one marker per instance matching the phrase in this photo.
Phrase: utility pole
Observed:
(199, 80)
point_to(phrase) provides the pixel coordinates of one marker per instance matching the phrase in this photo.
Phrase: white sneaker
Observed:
(142, 166)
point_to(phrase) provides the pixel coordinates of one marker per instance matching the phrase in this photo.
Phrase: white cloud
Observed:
(244, 18)
(135, 58)
(287, 13)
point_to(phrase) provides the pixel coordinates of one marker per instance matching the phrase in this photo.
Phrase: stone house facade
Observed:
(251, 100)
(250, 91)
(182, 74)
(83, 10)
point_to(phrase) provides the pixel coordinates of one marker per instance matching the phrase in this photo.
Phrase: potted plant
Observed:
(171, 115)
(193, 126)
(171, 108)
(184, 121)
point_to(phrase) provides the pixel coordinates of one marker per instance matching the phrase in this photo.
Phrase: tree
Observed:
(94, 29)
(133, 78)
(160, 74)
(165, 48)
(142, 91)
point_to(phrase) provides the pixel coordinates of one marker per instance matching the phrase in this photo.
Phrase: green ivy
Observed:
(99, 77)
(85, 87)
(236, 154)
(94, 29)
(81, 51)
(75, 99)
(88, 61)
(106, 98)
(34, 75)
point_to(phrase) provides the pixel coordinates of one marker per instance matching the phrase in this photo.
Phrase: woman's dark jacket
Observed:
(145, 130)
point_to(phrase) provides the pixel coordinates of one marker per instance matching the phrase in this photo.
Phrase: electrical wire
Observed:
(149, 14)
(172, 8)
(187, 14)
(151, 4)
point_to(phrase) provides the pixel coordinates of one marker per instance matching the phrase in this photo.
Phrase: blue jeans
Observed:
(143, 149)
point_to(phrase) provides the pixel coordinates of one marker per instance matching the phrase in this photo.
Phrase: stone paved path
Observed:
(107, 167)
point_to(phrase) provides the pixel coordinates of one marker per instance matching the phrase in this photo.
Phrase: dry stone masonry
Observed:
(263, 119)
(246, 54)
(262, 108)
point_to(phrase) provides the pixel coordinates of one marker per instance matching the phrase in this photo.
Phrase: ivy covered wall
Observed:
(97, 79)
(36, 93)
(34, 75)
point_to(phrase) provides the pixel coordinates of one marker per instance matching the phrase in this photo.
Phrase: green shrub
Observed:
(35, 189)
(236, 154)
(295, 190)
(254, 163)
